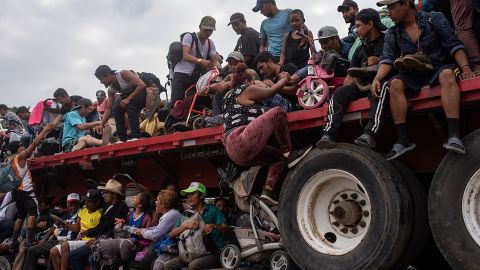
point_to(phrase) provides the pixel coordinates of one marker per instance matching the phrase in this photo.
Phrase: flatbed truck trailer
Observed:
(343, 206)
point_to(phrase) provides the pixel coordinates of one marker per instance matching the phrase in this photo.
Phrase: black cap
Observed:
(103, 70)
(84, 102)
(237, 17)
(370, 14)
(100, 93)
(346, 4)
(94, 194)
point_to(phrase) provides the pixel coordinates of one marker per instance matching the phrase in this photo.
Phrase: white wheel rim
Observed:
(230, 257)
(471, 207)
(279, 261)
(313, 93)
(318, 208)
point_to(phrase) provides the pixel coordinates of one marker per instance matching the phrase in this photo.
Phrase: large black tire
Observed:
(421, 230)
(391, 210)
(449, 228)
(4, 263)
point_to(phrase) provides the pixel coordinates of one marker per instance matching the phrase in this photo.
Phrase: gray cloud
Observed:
(46, 44)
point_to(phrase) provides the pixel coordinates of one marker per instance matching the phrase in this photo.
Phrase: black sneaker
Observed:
(325, 139)
(297, 155)
(269, 197)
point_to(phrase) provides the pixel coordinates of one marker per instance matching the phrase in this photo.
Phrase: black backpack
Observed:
(175, 52)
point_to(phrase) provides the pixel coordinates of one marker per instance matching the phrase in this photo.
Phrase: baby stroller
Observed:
(257, 242)
(190, 113)
(43, 113)
(315, 89)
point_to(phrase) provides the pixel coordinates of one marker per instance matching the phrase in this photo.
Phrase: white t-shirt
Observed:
(187, 67)
(27, 183)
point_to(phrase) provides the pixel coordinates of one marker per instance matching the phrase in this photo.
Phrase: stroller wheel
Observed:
(199, 123)
(281, 261)
(4, 263)
(312, 94)
(230, 257)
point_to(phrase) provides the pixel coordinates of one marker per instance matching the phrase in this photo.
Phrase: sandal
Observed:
(366, 140)
(455, 145)
(399, 149)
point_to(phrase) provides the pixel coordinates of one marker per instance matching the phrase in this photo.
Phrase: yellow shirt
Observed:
(88, 220)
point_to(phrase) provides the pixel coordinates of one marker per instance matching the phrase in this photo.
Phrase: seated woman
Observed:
(165, 204)
(138, 218)
(250, 128)
(88, 219)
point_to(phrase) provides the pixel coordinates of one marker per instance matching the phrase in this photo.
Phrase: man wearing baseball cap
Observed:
(248, 43)
(62, 230)
(215, 226)
(199, 56)
(115, 209)
(349, 10)
(422, 62)
(363, 69)
(75, 126)
(274, 27)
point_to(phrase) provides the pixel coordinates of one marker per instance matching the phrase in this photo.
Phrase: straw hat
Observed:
(112, 186)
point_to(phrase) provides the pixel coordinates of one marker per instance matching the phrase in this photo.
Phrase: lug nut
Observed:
(336, 224)
(344, 230)
(336, 201)
(363, 202)
(366, 213)
(363, 224)
(354, 196)
(331, 213)
(344, 196)
(354, 230)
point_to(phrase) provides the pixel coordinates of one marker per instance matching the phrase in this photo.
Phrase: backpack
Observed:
(9, 180)
(190, 243)
(175, 52)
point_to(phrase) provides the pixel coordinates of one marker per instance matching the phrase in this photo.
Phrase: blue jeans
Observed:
(79, 257)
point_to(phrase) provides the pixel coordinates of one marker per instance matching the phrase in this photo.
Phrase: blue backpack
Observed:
(9, 180)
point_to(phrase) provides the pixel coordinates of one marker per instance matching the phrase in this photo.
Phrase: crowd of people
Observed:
(387, 56)
(99, 230)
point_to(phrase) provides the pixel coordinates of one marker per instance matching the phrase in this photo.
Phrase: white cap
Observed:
(73, 197)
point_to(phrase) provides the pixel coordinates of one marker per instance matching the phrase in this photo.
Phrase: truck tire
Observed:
(347, 209)
(420, 230)
(453, 206)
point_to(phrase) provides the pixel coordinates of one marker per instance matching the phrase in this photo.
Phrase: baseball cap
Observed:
(94, 194)
(73, 197)
(236, 17)
(208, 23)
(346, 4)
(103, 70)
(386, 2)
(327, 32)
(370, 14)
(258, 6)
(194, 186)
(236, 55)
(100, 93)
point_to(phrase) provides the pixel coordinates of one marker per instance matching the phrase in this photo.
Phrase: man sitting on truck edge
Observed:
(424, 61)
(75, 126)
(364, 61)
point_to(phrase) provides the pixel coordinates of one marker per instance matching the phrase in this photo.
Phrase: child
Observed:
(298, 42)
(88, 218)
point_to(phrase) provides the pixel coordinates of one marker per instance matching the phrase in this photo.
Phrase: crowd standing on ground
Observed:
(387, 57)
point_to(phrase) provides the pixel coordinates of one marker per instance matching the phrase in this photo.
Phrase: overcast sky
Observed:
(47, 44)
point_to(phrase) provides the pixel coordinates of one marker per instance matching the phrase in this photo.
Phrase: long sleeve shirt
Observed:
(437, 40)
(165, 225)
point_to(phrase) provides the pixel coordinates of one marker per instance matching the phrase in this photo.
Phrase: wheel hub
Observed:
(347, 213)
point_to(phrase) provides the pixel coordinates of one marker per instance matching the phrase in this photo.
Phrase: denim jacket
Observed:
(438, 43)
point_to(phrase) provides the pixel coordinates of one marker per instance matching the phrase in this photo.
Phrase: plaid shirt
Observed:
(438, 43)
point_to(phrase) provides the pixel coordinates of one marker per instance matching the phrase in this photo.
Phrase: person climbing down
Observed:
(249, 129)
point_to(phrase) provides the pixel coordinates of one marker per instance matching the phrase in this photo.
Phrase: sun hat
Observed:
(112, 186)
